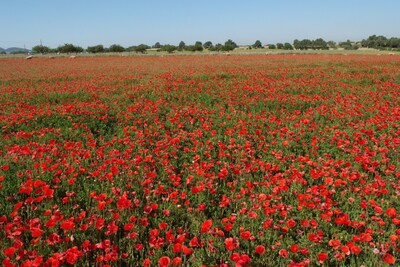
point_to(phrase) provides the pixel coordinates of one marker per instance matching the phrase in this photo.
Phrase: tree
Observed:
(394, 42)
(348, 45)
(208, 45)
(287, 46)
(331, 44)
(69, 48)
(217, 47)
(319, 44)
(296, 44)
(41, 49)
(141, 48)
(95, 49)
(272, 46)
(181, 46)
(229, 45)
(157, 45)
(168, 48)
(116, 48)
(279, 45)
(257, 44)
(198, 46)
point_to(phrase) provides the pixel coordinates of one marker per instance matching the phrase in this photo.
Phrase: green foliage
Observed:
(331, 44)
(287, 46)
(181, 46)
(116, 48)
(348, 45)
(279, 46)
(157, 45)
(272, 46)
(257, 44)
(208, 45)
(381, 42)
(168, 48)
(141, 48)
(95, 49)
(41, 49)
(69, 48)
(229, 45)
(198, 46)
(305, 44)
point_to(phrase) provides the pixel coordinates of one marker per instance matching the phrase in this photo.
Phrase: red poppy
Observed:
(283, 253)
(245, 235)
(322, 257)
(164, 261)
(260, 250)
(206, 226)
(389, 259)
(391, 212)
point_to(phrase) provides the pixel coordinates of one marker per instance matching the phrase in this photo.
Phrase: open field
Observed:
(250, 160)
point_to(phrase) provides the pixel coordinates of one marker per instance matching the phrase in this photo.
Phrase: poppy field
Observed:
(213, 160)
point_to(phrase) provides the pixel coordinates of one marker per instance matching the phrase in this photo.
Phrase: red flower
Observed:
(245, 235)
(186, 250)
(283, 253)
(391, 212)
(177, 261)
(291, 223)
(334, 243)
(206, 226)
(260, 250)
(294, 248)
(67, 225)
(9, 251)
(322, 257)
(164, 261)
(389, 259)
(230, 243)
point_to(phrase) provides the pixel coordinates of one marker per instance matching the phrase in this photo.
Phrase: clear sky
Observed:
(124, 22)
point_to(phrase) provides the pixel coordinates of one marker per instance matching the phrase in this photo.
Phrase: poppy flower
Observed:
(389, 259)
(164, 261)
(206, 225)
(260, 250)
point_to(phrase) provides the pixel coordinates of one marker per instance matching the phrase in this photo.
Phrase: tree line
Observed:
(229, 45)
(373, 41)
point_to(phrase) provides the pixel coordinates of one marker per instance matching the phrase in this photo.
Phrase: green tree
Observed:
(181, 46)
(229, 45)
(69, 48)
(157, 45)
(208, 45)
(116, 48)
(198, 46)
(287, 46)
(142, 48)
(218, 47)
(95, 49)
(348, 45)
(279, 45)
(319, 44)
(331, 44)
(168, 48)
(296, 44)
(394, 42)
(41, 49)
(257, 44)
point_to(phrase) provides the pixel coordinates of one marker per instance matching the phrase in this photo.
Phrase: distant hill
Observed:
(11, 50)
(2, 50)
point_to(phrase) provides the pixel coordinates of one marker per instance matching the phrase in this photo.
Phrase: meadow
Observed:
(214, 160)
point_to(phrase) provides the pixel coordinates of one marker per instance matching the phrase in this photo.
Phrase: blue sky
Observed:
(91, 22)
